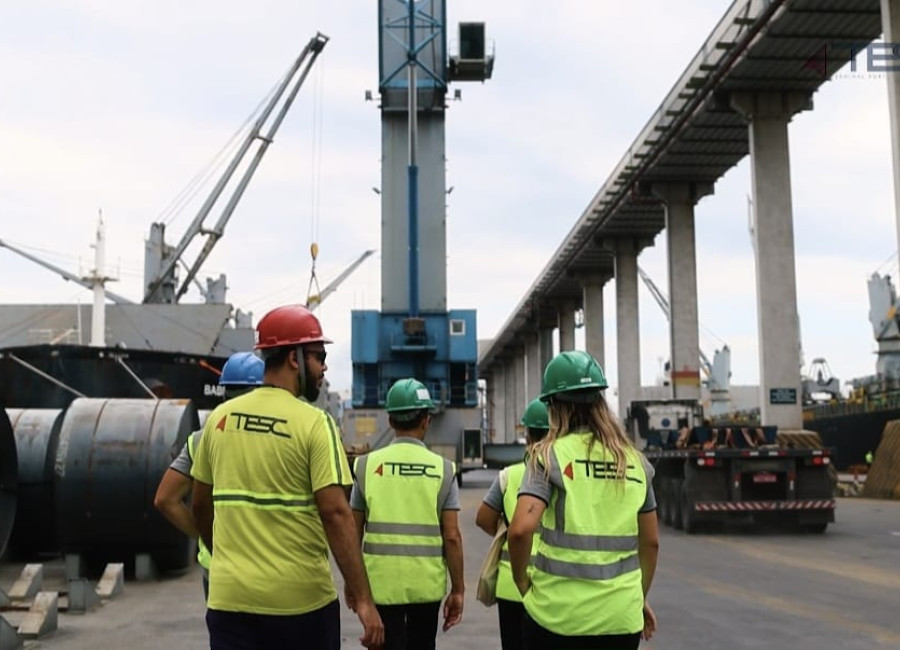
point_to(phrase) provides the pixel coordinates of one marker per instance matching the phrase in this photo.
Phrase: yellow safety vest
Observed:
(203, 555)
(587, 576)
(506, 586)
(404, 486)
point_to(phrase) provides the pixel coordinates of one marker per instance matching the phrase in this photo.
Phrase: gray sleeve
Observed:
(182, 463)
(536, 484)
(452, 500)
(357, 498)
(650, 501)
(494, 496)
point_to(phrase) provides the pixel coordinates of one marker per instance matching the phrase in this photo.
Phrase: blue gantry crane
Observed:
(415, 334)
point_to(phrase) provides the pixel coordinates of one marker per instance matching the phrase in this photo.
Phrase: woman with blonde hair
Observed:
(591, 493)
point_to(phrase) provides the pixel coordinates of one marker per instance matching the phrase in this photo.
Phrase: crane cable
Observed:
(312, 298)
(885, 266)
(175, 208)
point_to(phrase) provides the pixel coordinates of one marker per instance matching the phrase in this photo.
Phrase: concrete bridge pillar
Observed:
(546, 344)
(533, 368)
(497, 401)
(545, 353)
(768, 115)
(520, 390)
(566, 325)
(890, 19)
(490, 401)
(684, 322)
(593, 316)
(509, 432)
(628, 346)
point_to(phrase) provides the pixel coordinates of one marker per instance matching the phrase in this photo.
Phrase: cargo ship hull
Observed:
(851, 434)
(51, 376)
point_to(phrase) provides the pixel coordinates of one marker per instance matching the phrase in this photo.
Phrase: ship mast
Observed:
(97, 281)
(84, 282)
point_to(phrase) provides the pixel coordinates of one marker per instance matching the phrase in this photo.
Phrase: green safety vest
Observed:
(587, 577)
(506, 586)
(404, 486)
(203, 554)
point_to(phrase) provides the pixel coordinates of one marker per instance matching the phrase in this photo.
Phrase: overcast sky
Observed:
(116, 105)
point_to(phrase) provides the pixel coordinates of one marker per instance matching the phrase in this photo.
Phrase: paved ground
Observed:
(740, 589)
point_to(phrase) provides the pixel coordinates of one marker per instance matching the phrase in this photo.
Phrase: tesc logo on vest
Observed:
(602, 469)
(406, 469)
(250, 423)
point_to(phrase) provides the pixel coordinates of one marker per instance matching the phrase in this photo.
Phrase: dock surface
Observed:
(740, 588)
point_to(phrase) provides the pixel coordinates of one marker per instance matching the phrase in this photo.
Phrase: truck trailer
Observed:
(709, 474)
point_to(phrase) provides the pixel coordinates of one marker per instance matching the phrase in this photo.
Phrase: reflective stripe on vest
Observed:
(203, 555)
(404, 486)
(591, 542)
(263, 501)
(404, 529)
(588, 546)
(407, 550)
(586, 571)
(336, 445)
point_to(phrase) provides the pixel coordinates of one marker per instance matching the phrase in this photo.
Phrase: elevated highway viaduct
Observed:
(760, 67)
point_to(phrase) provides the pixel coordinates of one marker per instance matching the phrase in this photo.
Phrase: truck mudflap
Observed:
(763, 506)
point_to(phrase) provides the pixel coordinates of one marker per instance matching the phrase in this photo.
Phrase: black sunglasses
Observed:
(318, 354)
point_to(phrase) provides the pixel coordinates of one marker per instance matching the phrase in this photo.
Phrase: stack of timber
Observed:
(803, 439)
(794, 439)
(883, 481)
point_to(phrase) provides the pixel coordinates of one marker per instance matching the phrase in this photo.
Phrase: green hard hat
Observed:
(408, 395)
(573, 373)
(535, 416)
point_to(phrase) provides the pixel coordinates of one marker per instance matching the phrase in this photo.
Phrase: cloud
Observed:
(118, 105)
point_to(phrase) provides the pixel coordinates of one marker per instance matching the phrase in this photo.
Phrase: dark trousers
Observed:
(512, 615)
(319, 630)
(536, 637)
(409, 627)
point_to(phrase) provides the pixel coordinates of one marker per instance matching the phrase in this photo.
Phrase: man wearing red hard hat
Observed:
(290, 341)
(269, 500)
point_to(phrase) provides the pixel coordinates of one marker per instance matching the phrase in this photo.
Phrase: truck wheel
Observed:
(817, 529)
(675, 503)
(688, 519)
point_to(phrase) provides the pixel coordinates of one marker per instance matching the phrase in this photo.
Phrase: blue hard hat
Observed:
(242, 369)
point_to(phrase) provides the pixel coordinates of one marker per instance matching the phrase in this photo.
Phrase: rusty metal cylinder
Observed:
(110, 458)
(36, 432)
(9, 473)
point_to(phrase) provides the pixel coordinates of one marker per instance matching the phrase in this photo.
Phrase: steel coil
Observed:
(9, 472)
(36, 432)
(110, 457)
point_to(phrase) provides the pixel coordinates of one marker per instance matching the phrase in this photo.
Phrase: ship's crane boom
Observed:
(719, 373)
(315, 299)
(296, 75)
(663, 303)
(87, 283)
